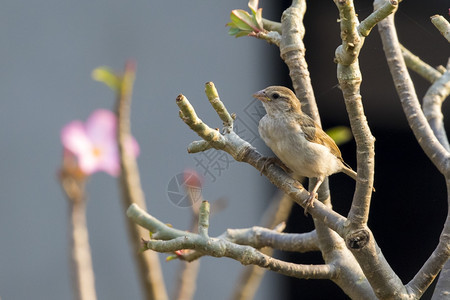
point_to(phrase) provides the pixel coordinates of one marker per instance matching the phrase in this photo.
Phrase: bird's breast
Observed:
(287, 140)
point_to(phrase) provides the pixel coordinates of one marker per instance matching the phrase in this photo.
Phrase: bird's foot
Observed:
(273, 160)
(310, 202)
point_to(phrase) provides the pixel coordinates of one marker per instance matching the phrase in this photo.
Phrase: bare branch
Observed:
(272, 37)
(442, 25)
(408, 97)
(379, 14)
(259, 237)
(292, 51)
(218, 247)
(349, 76)
(419, 66)
(147, 263)
(432, 107)
(417, 286)
(272, 26)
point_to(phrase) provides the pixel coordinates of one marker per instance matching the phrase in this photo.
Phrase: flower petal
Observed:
(75, 139)
(101, 127)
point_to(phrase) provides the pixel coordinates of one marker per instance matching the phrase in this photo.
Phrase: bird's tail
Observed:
(352, 174)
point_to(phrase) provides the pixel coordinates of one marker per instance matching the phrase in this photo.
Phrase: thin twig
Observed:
(148, 264)
(419, 66)
(272, 26)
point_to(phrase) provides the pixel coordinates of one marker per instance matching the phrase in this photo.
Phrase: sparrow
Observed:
(297, 140)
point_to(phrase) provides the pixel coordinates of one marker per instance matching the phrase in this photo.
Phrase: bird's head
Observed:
(278, 99)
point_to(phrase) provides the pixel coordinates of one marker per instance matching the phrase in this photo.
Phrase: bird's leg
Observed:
(273, 160)
(313, 194)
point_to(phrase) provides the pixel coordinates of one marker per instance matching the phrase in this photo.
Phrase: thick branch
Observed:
(259, 237)
(349, 76)
(222, 248)
(147, 263)
(408, 97)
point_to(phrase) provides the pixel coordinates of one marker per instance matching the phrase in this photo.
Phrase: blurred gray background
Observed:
(48, 51)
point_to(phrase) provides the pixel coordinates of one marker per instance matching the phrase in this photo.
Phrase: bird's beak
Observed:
(261, 95)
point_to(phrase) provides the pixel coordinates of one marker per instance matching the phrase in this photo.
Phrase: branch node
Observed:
(358, 240)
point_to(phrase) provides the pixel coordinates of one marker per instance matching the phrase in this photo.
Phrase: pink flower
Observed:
(94, 143)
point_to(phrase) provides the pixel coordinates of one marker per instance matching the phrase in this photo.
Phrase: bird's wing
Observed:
(314, 134)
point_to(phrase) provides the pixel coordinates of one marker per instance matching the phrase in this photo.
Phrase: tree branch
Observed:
(259, 237)
(432, 106)
(442, 25)
(419, 66)
(408, 97)
(272, 25)
(418, 285)
(349, 76)
(359, 238)
(218, 247)
(147, 263)
(379, 14)
(292, 51)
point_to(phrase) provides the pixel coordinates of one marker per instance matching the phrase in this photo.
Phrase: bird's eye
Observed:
(275, 95)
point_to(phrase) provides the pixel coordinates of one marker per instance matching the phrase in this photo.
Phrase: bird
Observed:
(297, 140)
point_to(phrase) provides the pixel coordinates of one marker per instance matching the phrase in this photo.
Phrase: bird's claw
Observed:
(310, 202)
